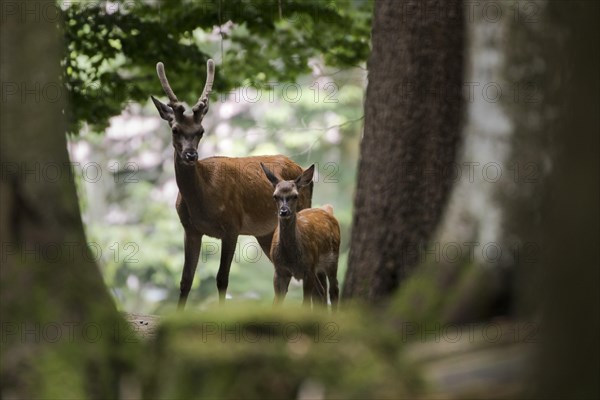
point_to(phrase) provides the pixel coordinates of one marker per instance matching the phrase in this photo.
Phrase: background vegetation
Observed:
(289, 81)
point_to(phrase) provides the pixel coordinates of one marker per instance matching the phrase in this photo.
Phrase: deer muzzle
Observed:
(190, 155)
(285, 212)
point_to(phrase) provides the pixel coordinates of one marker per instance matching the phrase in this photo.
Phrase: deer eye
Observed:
(293, 197)
(175, 131)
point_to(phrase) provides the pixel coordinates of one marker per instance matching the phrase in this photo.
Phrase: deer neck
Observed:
(189, 180)
(288, 238)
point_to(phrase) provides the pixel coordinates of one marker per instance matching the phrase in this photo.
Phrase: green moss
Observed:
(247, 352)
(61, 377)
(62, 364)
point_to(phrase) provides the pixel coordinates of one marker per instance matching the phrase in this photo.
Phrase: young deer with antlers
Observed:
(221, 197)
(306, 244)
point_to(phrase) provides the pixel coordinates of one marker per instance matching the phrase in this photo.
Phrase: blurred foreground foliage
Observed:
(112, 47)
(234, 351)
(249, 352)
(243, 350)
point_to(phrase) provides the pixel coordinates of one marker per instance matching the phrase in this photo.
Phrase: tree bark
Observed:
(413, 113)
(50, 284)
(567, 273)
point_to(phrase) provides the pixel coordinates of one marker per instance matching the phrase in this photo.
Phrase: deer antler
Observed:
(202, 103)
(173, 101)
(160, 70)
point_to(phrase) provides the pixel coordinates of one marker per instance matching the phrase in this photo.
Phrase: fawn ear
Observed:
(164, 110)
(306, 177)
(272, 178)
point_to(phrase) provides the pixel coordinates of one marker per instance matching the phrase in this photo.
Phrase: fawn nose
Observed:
(284, 212)
(190, 155)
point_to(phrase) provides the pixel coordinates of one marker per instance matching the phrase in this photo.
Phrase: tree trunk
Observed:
(413, 113)
(567, 273)
(51, 288)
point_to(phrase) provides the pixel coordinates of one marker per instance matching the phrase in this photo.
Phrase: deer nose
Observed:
(284, 212)
(190, 155)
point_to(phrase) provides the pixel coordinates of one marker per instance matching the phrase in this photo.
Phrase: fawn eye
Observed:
(175, 131)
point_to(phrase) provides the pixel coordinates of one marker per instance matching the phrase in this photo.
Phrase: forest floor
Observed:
(144, 325)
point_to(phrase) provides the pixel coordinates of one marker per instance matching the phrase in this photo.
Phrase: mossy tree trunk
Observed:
(413, 113)
(55, 308)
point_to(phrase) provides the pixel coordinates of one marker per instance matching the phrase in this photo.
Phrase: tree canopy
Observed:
(112, 48)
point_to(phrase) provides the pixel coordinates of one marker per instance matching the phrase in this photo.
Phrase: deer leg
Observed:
(281, 281)
(227, 251)
(192, 242)
(334, 291)
(265, 244)
(320, 292)
(309, 286)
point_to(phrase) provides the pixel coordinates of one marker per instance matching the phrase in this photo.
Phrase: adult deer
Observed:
(306, 243)
(221, 197)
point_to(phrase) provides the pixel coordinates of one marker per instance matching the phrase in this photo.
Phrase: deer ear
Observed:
(306, 177)
(164, 110)
(270, 176)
